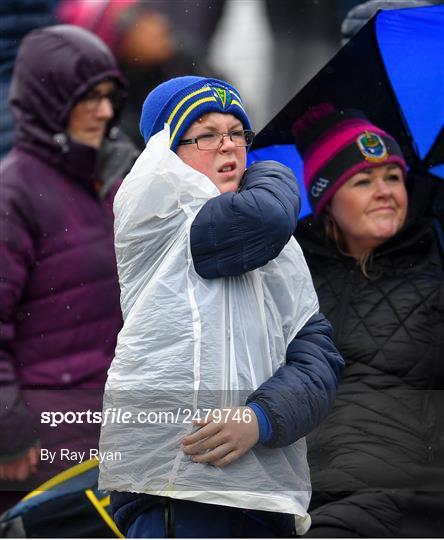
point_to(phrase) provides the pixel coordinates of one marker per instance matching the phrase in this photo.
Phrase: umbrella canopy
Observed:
(392, 70)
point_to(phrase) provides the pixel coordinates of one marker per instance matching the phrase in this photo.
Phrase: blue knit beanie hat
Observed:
(181, 101)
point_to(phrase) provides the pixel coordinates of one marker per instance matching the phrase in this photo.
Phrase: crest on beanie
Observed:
(223, 96)
(372, 147)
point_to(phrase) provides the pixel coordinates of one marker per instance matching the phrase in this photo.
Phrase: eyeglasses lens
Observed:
(92, 99)
(213, 141)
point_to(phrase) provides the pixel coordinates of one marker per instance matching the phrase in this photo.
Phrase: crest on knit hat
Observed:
(223, 96)
(372, 146)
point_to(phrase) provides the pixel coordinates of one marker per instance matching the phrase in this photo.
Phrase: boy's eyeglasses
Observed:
(213, 141)
(92, 99)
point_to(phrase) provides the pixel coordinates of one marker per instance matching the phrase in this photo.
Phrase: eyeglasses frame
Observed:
(92, 103)
(195, 140)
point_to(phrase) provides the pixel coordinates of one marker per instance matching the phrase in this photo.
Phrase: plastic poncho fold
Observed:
(189, 345)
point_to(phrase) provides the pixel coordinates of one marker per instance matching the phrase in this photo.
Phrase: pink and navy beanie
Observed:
(181, 101)
(335, 145)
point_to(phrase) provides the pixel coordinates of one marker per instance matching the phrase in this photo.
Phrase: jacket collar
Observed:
(73, 159)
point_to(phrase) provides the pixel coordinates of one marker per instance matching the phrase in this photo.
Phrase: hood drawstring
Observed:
(61, 139)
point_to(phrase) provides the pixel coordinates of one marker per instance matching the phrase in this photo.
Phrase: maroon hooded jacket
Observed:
(59, 293)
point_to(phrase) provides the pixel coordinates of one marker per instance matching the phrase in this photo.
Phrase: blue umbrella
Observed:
(393, 70)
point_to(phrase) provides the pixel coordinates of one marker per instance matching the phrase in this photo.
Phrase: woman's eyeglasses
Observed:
(92, 99)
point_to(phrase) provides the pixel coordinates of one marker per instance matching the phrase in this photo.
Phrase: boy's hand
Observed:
(223, 437)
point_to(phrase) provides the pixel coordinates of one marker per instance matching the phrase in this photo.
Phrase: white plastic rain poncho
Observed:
(189, 344)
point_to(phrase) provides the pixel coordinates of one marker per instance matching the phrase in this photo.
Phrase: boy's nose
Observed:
(226, 143)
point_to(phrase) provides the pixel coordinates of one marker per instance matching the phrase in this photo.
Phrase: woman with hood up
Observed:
(59, 292)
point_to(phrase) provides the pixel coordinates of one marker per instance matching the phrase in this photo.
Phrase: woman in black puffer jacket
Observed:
(377, 462)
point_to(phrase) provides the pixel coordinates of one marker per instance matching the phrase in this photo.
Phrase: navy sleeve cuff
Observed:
(265, 430)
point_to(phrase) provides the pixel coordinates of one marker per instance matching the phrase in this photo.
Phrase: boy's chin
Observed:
(229, 187)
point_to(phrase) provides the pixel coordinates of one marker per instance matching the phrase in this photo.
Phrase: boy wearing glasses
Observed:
(221, 330)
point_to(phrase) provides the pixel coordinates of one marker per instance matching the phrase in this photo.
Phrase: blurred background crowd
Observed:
(251, 43)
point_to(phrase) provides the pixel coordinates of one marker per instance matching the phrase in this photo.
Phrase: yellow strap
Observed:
(62, 477)
(103, 513)
(106, 501)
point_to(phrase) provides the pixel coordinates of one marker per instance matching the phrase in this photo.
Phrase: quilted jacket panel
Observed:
(386, 428)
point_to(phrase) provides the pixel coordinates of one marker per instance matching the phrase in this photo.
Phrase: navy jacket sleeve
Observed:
(238, 232)
(300, 394)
